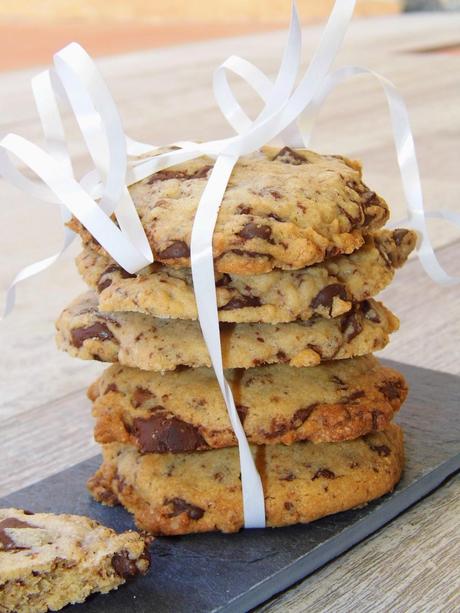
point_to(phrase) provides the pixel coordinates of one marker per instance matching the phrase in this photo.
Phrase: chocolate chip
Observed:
(391, 389)
(325, 297)
(254, 230)
(288, 506)
(382, 450)
(323, 472)
(111, 388)
(181, 506)
(240, 302)
(350, 326)
(274, 216)
(162, 434)
(139, 396)
(369, 312)
(289, 156)
(398, 235)
(6, 542)
(176, 250)
(97, 330)
(125, 567)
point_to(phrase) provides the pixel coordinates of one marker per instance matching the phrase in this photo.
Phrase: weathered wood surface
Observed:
(165, 95)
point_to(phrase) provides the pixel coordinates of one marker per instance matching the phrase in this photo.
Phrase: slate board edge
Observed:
(337, 545)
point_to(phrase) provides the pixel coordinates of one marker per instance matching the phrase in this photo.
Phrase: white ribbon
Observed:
(288, 113)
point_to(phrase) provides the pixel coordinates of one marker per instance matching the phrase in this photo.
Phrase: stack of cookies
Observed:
(300, 254)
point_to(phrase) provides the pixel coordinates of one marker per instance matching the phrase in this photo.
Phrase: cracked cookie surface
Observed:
(282, 209)
(141, 341)
(327, 289)
(184, 411)
(48, 561)
(200, 492)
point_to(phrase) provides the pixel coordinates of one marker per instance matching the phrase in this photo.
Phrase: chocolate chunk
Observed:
(288, 506)
(301, 416)
(254, 230)
(382, 450)
(288, 477)
(125, 567)
(240, 302)
(251, 254)
(97, 330)
(6, 542)
(224, 280)
(353, 396)
(282, 357)
(242, 412)
(323, 472)
(139, 396)
(382, 249)
(375, 419)
(162, 434)
(181, 506)
(289, 156)
(243, 210)
(111, 388)
(355, 221)
(104, 283)
(392, 390)
(201, 173)
(369, 312)
(398, 235)
(350, 326)
(325, 297)
(176, 250)
(166, 175)
(339, 382)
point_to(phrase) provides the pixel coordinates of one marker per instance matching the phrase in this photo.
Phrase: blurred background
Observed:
(31, 31)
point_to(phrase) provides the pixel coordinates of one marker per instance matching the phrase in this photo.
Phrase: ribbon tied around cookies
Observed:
(288, 114)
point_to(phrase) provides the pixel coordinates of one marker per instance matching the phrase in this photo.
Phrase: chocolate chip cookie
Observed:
(200, 492)
(184, 411)
(328, 289)
(282, 209)
(157, 344)
(48, 561)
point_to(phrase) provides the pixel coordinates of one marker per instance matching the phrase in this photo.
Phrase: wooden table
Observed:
(164, 95)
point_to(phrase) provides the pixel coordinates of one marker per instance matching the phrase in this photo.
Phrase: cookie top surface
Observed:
(197, 492)
(184, 411)
(141, 341)
(281, 209)
(32, 543)
(327, 289)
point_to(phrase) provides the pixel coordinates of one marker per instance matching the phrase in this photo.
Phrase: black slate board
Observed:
(215, 572)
